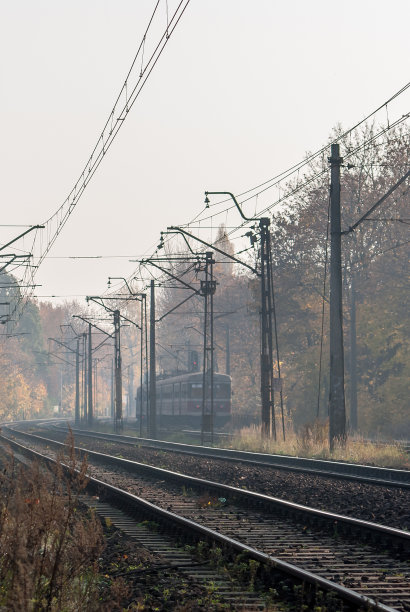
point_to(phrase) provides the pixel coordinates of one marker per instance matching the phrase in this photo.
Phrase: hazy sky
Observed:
(243, 90)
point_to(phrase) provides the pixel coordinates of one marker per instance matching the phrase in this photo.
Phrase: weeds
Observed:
(312, 441)
(49, 546)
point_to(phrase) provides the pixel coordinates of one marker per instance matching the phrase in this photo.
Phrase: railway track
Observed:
(318, 543)
(359, 473)
(375, 503)
(219, 585)
(172, 556)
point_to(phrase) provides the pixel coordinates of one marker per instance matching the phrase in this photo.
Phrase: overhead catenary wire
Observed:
(301, 185)
(310, 157)
(377, 204)
(122, 106)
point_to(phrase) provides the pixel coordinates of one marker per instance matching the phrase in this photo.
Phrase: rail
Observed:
(171, 522)
(350, 471)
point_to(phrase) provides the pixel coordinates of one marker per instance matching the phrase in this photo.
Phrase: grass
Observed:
(312, 442)
(49, 546)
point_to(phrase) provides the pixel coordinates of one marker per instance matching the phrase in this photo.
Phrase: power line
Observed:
(299, 186)
(129, 93)
(297, 167)
(377, 204)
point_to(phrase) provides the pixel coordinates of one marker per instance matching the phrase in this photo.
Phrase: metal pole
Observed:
(205, 352)
(90, 378)
(61, 391)
(211, 299)
(275, 330)
(130, 388)
(85, 377)
(117, 373)
(112, 391)
(146, 364)
(207, 290)
(152, 369)
(77, 382)
(337, 413)
(95, 413)
(353, 356)
(269, 292)
(265, 361)
(228, 352)
(141, 364)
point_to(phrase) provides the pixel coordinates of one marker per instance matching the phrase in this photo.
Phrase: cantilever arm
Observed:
(214, 248)
(173, 276)
(175, 307)
(101, 303)
(62, 344)
(92, 325)
(228, 193)
(60, 358)
(382, 199)
(184, 237)
(21, 235)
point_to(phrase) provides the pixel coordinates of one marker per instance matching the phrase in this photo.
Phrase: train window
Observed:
(183, 390)
(167, 392)
(221, 391)
(196, 390)
(176, 390)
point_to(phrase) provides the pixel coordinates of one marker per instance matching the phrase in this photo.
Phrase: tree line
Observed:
(376, 318)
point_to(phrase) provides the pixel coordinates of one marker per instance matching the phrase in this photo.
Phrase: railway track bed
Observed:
(156, 572)
(369, 502)
(218, 587)
(326, 550)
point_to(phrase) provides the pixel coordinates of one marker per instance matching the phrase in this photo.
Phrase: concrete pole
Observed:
(266, 340)
(85, 377)
(353, 356)
(337, 412)
(152, 369)
(112, 414)
(90, 378)
(141, 369)
(77, 382)
(228, 352)
(117, 373)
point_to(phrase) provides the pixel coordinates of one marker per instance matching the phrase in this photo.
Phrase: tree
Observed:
(299, 238)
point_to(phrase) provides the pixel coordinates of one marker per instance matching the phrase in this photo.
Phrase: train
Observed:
(179, 400)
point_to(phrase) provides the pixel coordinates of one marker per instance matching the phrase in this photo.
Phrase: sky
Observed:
(243, 90)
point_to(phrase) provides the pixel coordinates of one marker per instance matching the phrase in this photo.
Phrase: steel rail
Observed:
(367, 474)
(362, 528)
(171, 520)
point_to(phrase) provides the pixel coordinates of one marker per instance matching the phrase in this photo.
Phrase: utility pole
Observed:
(95, 396)
(141, 369)
(265, 274)
(117, 373)
(152, 369)
(228, 351)
(85, 377)
(337, 412)
(130, 388)
(112, 391)
(77, 382)
(208, 288)
(90, 378)
(268, 410)
(353, 355)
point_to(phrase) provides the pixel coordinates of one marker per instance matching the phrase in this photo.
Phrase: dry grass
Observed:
(312, 441)
(49, 546)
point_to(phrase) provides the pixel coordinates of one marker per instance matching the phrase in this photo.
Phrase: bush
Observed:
(49, 546)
